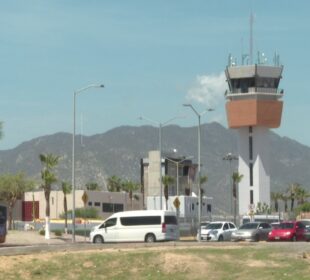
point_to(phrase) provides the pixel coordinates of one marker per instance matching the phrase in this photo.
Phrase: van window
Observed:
(110, 223)
(137, 221)
(170, 220)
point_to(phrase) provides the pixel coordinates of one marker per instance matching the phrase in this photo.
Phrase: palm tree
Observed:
(275, 196)
(114, 184)
(92, 186)
(236, 177)
(130, 187)
(284, 197)
(301, 195)
(167, 180)
(292, 192)
(49, 162)
(66, 189)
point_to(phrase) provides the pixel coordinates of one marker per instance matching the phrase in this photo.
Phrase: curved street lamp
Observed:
(199, 115)
(73, 151)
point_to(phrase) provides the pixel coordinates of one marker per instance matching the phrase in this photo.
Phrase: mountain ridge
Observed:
(118, 152)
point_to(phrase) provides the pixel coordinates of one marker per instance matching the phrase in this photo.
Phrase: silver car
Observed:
(217, 231)
(254, 231)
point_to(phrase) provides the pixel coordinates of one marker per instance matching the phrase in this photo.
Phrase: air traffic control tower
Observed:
(253, 107)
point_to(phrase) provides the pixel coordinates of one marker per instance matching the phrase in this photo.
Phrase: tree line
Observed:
(14, 186)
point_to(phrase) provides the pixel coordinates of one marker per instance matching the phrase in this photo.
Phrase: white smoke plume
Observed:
(208, 89)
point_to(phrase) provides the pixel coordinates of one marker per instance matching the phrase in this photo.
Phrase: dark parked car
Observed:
(307, 229)
(288, 231)
(252, 231)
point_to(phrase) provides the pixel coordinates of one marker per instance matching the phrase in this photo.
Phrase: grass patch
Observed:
(240, 263)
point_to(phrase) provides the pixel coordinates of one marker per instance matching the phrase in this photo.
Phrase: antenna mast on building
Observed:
(251, 37)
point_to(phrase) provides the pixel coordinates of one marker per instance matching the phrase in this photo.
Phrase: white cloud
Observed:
(208, 89)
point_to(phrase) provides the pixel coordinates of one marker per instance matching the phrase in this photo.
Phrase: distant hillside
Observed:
(118, 152)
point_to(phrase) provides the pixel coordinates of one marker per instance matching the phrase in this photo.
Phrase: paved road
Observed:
(27, 242)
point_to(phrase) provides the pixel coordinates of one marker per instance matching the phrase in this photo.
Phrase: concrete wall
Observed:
(95, 199)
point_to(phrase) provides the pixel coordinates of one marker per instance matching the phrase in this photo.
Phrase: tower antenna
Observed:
(251, 38)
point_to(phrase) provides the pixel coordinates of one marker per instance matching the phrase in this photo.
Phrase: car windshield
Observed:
(249, 226)
(286, 225)
(214, 226)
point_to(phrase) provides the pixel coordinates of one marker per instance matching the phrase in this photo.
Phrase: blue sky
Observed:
(152, 57)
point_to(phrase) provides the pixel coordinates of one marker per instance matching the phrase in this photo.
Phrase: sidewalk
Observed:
(15, 238)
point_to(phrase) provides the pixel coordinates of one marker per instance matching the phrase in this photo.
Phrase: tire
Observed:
(98, 239)
(221, 238)
(150, 238)
(256, 238)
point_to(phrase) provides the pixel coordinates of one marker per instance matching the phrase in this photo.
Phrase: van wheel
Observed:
(221, 238)
(98, 239)
(150, 238)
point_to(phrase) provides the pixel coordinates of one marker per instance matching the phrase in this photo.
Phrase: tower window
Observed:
(251, 174)
(251, 148)
(251, 197)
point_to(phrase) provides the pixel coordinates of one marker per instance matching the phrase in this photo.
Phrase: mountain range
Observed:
(118, 152)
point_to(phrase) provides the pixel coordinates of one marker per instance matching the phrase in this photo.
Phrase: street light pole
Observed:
(73, 152)
(160, 126)
(199, 163)
(230, 157)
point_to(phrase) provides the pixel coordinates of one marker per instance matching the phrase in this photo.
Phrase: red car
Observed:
(288, 231)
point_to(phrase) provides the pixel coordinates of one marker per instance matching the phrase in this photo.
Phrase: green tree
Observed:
(305, 207)
(12, 187)
(167, 180)
(114, 184)
(49, 163)
(130, 187)
(66, 189)
(236, 178)
(301, 195)
(92, 186)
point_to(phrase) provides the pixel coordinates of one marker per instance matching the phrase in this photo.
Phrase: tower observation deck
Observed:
(254, 97)
(254, 105)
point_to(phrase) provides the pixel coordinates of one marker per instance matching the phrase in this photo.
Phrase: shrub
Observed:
(84, 213)
(57, 232)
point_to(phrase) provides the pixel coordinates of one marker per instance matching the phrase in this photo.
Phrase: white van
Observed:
(137, 226)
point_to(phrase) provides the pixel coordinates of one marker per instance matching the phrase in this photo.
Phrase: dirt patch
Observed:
(259, 263)
(183, 263)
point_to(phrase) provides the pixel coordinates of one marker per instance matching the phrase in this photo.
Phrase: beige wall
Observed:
(98, 197)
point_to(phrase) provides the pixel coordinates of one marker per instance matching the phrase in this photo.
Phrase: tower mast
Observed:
(251, 38)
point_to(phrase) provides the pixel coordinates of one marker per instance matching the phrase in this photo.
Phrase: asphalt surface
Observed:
(30, 242)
